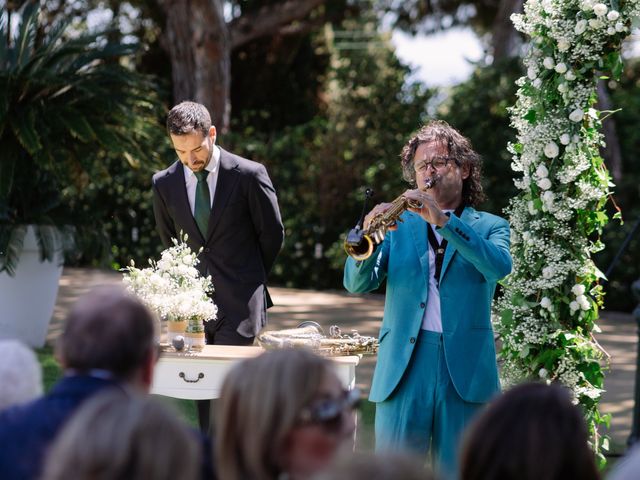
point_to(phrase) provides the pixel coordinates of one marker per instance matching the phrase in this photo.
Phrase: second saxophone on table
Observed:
(360, 242)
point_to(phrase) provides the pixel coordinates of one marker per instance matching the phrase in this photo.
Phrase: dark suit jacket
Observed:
(27, 431)
(244, 237)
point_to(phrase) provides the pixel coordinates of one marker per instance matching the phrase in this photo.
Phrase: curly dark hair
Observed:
(458, 147)
(187, 117)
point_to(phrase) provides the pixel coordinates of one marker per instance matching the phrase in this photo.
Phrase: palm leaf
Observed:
(11, 243)
(50, 242)
(24, 128)
(26, 34)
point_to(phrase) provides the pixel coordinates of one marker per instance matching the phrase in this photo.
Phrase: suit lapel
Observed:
(469, 217)
(183, 210)
(227, 179)
(419, 233)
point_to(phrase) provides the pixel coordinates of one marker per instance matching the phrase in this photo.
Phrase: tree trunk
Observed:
(198, 42)
(504, 39)
(612, 154)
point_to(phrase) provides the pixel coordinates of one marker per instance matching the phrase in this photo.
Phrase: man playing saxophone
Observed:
(436, 361)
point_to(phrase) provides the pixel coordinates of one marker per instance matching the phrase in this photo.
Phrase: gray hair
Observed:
(20, 374)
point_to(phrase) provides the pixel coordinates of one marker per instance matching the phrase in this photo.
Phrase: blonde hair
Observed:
(259, 405)
(117, 435)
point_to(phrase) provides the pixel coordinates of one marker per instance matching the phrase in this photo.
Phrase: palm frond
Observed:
(11, 243)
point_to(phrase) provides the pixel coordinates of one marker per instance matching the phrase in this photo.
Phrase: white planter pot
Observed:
(28, 298)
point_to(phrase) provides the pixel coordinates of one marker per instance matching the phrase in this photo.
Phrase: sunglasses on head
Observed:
(327, 412)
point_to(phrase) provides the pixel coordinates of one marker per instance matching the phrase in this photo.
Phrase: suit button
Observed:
(422, 305)
(412, 340)
(207, 250)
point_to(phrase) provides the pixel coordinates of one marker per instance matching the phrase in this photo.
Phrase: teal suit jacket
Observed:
(477, 256)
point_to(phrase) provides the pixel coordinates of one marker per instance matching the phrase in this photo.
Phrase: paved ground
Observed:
(363, 313)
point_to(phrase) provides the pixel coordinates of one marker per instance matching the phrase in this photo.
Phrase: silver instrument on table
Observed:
(311, 335)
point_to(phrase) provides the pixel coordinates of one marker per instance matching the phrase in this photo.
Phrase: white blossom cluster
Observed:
(563, 183)
(172, 287)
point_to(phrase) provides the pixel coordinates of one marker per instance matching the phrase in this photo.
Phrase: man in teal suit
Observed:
(436, 363)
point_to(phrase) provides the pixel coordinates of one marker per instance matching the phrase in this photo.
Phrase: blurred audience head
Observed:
(531, 432)
(111, 331)
(117, 436)
(20, 374)
(284, 412)
(628, 467)
(378, 466)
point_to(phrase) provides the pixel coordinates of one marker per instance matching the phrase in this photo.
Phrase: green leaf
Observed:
(530, 116)
(79, 127)
(11, 242)
(24, 128)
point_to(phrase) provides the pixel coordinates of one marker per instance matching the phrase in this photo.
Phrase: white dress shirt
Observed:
(191, 181)
(432, 318)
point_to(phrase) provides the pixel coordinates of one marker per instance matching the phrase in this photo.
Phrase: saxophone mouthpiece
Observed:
(431, 181)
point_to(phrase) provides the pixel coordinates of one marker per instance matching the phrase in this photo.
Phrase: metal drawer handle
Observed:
(184, 377)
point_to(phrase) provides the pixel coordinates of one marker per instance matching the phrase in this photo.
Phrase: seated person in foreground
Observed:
(283, 414)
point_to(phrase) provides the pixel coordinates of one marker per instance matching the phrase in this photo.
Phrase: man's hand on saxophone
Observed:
(375, 211)
(429, 210)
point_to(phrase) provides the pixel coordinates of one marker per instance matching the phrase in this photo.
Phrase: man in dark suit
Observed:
(107, 343)
(228, 207)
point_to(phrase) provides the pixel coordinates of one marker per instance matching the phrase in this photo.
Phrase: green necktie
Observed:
(202, 208)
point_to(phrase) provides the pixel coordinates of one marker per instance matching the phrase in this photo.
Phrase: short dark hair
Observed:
(107, 329)
(458, 147)
(531, 432)
(187, 117)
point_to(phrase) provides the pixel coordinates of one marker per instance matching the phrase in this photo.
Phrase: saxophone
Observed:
(360, 242)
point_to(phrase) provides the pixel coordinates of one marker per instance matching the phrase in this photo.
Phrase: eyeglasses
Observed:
(328, 412)
(436, 162)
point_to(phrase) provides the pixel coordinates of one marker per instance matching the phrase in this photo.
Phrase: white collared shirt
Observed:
(432, 318)
(191, 181)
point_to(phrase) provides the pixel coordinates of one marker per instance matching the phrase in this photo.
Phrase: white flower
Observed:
(613, 15)
(580, 27)
(541, 171)
(583, 301)
(620, 27)
(595, 23)
(573, 306)
(548, 197)
(563, 45)
(577, 115)
(586, 5)
(551, 150)
(561, 67)
(548, 63)
(545, 302)
(600, 9)
(548, 272)
(611, 31)
(578, 289)
(563, 88)
(542, 373)
(575, 138)
(570, 75)
(537, 83)
(544, 183)
(531, 207)
(565, 139)
(532, 72)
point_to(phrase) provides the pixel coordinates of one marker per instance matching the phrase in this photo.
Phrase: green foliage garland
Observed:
(548, 313)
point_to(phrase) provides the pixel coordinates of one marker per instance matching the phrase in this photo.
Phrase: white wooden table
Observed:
(199, 375)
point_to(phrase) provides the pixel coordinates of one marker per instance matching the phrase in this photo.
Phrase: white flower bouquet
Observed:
(173, 287)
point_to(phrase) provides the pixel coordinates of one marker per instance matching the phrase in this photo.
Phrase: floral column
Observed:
(548, 314)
